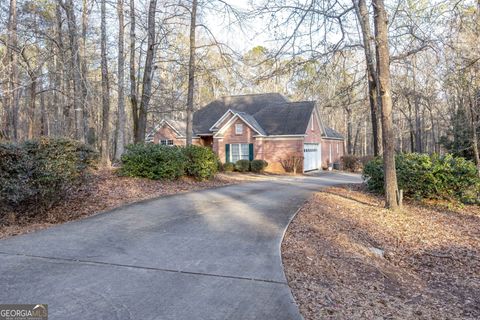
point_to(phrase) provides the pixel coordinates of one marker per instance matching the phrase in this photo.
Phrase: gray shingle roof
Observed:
(181, 126)
(270, 113)
(332, 134)
(252, 121)
(206, 117)
(286, 119)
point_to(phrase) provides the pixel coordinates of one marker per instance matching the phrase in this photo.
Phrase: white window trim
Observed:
(238, 128)
(166, 142)
(240, 154)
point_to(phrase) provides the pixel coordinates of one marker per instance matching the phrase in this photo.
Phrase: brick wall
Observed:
(275, 150)
(167, 133)
(314, 134)
(230, 136)
(337, 150)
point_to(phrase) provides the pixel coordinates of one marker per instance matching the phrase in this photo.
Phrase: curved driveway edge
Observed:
(212, 254)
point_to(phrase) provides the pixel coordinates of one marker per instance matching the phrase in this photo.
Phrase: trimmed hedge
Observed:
(429, 176)
(258, 166)
(242, 165)
(37, 173)
(159, 162)
(202, 163)
(153, 161)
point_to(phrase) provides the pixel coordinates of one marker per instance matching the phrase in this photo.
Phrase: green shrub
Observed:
(15, 174)
(351, 163)
(202, 162)
(153, 161)
(425, 176)
(37, 173)
(258, 166)
(242, 165)
(228, 167)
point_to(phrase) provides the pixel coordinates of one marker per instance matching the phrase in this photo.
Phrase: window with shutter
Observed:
(239, 151)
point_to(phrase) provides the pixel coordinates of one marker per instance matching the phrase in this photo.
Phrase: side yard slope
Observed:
(346, 257)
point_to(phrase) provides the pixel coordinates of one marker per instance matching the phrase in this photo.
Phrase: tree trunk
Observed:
(416, 104)
(31, 107)
(383, 69)
(362, 15)
(133, 85)
(62, 80)
(349, 131)
(410, 126)
(147, 74)
(191, 72)
(43, 114)
(355, 140)
(10, 94)
(105, 89)
(83, 63)
(121, 101)
(78, 99)
(474, 123)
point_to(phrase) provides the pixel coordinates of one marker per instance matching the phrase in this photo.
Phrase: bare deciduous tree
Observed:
(191, 71)
(105, 142)
(119, 147)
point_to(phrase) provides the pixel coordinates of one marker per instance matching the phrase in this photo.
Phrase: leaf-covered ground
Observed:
(346, 257)
(105, 191)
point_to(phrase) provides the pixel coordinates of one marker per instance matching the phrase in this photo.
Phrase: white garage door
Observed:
(311, 156)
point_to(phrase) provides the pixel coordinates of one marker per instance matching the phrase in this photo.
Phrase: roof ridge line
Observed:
(251, 94)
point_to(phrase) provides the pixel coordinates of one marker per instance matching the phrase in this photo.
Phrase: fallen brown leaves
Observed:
(346, 257)
(105, 191)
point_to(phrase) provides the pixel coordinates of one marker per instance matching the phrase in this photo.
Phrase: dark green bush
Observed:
(429, 176)
(351, 163)
(258, 166)
(153, 161)
(228, 167)
(202, 162)
(15, 175)
(35, 174)
(242, 165)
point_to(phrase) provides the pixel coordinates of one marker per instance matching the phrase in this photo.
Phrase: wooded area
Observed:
(394, 76)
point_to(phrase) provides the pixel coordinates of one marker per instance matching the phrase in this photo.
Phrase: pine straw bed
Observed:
(105, 191)
(346, 257)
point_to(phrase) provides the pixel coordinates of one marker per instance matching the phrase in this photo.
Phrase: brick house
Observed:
(259, 126)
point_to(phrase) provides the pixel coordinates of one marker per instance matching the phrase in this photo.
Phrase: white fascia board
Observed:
(179, 135)
(319, 119)
(231, 121)
(221, 119)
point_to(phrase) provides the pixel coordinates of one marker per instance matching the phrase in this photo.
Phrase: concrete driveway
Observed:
(213, 254)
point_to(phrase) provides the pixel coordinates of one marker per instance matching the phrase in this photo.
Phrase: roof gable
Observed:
(179, 127)
(267, 114)
(207, 117)
(246, 118)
